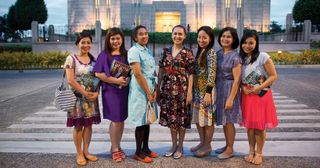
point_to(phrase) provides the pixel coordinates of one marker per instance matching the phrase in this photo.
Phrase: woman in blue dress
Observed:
(141, 90)
(228, 109)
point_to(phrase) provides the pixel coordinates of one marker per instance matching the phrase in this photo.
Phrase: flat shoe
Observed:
(168, 154)
(177, 155)
(91, 158)
(151, 154)
(220, 150)
(81, 162)
(225, 156)
(146, 159)
(200, 154)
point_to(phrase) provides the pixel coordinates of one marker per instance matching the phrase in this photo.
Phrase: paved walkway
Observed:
(45, 132)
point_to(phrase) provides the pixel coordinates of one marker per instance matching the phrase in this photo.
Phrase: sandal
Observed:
(195, 148)
(249, 158)
(91, 158)
(123, 154)
(257, 159)
(81, 162)
(116, 156)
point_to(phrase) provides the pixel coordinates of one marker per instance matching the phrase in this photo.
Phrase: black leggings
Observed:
(142, 139)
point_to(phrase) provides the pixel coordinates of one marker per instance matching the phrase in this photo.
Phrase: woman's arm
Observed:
(121, 81)
(236, 72)
(272, 76)
(160, 78)
(189, 92)
(211, 69)
(136, 69)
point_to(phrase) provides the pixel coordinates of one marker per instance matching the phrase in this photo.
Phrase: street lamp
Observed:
(239, 18)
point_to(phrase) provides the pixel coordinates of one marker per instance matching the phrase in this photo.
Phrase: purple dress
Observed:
(224, 82)
(114, 99)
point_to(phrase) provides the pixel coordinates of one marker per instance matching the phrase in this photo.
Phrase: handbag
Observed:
(151, 115)
(64, 99)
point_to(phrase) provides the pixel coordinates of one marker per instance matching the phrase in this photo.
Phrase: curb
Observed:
(298, 66)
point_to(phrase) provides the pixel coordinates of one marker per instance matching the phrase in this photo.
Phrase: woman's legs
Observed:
(260, 137)
(174, 140)
(145, 145)
(201, 132)
(206, 146)
(252, 144)
(77, 139)
(139, 135)
(115, 131)
(230, 133)
(181, 132)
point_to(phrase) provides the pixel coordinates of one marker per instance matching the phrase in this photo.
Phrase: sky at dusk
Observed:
(57, 10)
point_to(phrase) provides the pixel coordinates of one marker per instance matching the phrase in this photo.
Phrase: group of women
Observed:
(210, 88)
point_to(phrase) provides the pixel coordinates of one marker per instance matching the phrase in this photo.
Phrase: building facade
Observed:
(162, 15)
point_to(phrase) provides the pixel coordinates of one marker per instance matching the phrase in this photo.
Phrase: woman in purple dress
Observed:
(227, 85)
(114, 89)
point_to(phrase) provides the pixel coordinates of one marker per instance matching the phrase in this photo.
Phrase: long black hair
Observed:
(234, 35)
(255, 52)
(80, 37)
(209, 32)
(107, 46)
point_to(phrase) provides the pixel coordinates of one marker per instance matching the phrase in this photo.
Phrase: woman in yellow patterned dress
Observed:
(204, 79)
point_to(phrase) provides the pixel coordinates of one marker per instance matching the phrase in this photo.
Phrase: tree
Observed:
(307, 10)
(28, 11)
(275, 27)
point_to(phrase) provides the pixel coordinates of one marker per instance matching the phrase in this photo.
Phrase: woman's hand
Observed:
(245, 90)
(229, 104)
(127, 81)
(150, 98)
(121, 81)
(207, 100)
(255, 89)
(92, 96)
(189, 98)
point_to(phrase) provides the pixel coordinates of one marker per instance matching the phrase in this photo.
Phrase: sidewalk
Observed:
(23, 160)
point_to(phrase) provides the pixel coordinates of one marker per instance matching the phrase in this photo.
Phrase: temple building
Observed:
(162, 15)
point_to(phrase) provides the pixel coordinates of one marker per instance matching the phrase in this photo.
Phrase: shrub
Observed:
(29, 60)
(306, 57)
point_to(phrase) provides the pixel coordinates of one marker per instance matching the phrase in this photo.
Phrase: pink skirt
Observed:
(258, 112)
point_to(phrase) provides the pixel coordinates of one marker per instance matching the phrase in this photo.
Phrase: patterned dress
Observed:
(203, 82)
(86, 112)
(224, 82)
(173, 90)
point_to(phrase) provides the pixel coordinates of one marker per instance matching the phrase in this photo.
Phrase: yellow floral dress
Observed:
(203, 82)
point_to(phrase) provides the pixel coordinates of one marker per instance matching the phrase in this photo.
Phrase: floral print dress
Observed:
(173, 90)
(85, 112)
(203, 82)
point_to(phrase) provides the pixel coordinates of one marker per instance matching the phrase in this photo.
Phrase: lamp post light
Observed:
(240, 18)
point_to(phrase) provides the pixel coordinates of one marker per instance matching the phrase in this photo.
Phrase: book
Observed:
(119, 69)
(256, 78)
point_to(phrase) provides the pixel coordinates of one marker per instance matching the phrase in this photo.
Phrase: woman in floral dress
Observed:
(203, 84)
(78, 68)
(175, 90)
